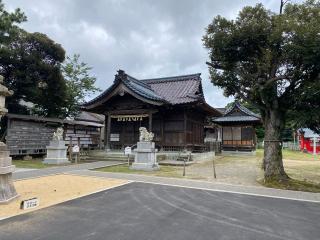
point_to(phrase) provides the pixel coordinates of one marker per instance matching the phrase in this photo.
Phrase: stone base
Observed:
(7, 189)
(145, 166)
(239, 153)
(145, 157)
(56, 153)
(56, 161)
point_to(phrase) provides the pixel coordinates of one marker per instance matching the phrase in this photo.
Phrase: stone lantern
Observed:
(7, 190)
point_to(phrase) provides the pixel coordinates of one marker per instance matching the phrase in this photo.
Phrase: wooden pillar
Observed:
(254, 140)
(70, 148)
(100, 138)
(162, 131)
(150, 122)
(78, 154)
(107, 132)
(185, 129)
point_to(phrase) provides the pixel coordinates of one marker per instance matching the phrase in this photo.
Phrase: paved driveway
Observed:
(149, 211)
(62, 169)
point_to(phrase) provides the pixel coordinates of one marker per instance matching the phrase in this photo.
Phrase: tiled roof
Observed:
(245, 116)
(241, 108)
(55, 120)
(168, 90)
(222, 110)
(178, 89)
(236, 119)
(90, 117)
(142, 89)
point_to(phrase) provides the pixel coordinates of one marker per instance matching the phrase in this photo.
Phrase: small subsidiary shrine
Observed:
(238, 128)
(173, 108)
(307, 139)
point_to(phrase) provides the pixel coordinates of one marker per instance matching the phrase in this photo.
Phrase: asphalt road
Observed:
(148, 211)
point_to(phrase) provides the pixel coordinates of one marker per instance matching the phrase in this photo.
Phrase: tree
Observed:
(80, 83)
(306, 109)
(269, 60)
(30, 63)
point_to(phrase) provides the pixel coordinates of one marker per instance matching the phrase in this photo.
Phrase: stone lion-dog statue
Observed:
(145, 136)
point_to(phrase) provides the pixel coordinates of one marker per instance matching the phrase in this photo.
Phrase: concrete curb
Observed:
(205, 185)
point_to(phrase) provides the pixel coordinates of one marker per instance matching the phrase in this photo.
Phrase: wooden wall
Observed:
(239, 137)
(24, 137)
(31, 137)
(172, 128)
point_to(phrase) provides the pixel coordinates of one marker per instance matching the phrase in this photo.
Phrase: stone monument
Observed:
(7, 190)
(57, 150)
(145, 153)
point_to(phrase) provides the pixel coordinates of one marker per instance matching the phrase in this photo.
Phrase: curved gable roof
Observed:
(245, 115)
(169, 90)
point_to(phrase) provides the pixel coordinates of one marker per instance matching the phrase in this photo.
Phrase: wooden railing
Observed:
(237, 143)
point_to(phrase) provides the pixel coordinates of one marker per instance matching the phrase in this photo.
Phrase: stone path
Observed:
(56, 170)
(215, 186)
(24, 169)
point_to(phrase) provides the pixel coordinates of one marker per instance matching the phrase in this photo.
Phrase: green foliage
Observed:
(30, 63)
(79, 83)
(265, 58)
(306, 109)
(272, 62)
(8, 24)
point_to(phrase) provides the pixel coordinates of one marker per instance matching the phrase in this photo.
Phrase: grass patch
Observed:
(37, 163)
(34, 163)
(165, 171)
(292, 155)
(292, 184)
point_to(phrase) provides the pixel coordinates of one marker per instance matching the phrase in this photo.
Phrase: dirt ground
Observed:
(237, 169)
(51, 190)
(245, 170)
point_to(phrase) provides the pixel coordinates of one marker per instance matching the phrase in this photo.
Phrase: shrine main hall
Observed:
(173, 108)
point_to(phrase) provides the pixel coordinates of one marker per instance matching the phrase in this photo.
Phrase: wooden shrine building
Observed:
(173, 108)
(238, 128)
(29, 135)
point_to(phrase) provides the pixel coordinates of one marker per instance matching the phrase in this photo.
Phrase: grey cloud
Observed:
(146, 38)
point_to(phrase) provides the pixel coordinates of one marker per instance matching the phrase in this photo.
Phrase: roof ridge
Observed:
(138, 81)
(171, 78)
(242, 108)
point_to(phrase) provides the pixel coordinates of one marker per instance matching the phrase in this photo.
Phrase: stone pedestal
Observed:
(7, 190)
(145, 157)
(56, 153)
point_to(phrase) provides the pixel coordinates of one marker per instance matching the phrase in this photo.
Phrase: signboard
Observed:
(75, 149)
(30, 203)
(127, 151)
(114, 137)
(130, 118)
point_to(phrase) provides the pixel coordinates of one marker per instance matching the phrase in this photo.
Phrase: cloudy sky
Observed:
(146, 38)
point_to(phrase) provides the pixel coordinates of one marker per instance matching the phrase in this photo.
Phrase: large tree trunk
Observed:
(272, 162)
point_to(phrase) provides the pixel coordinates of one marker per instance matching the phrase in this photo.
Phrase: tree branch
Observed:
(274, 79)
(283, 2)
(215, 65)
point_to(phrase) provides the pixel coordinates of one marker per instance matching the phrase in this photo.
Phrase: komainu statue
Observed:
(58, 134)
(145, 136)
